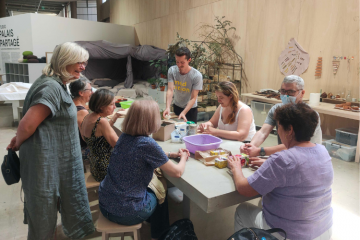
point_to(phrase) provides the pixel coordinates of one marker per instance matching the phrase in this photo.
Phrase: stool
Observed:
(106, 227)
(90, 182)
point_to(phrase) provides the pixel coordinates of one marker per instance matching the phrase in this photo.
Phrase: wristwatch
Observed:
(169, 153)
(262, 152)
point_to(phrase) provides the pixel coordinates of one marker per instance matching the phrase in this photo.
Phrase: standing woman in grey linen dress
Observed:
(51, 166)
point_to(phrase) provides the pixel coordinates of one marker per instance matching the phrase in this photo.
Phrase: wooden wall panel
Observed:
(324, 28)
(270, 25)
(330, 28)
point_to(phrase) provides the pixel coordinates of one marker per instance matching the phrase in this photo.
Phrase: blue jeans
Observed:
(157, 215)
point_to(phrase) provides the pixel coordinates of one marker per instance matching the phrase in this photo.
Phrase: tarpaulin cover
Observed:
(121, 62)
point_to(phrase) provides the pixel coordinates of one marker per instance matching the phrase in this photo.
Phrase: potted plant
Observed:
(162, 85)
(164, 72)
(161, 66)
(152, 82)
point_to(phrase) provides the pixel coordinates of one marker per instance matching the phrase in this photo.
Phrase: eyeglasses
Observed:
(288, 92)
(83, 63)
(90, 89)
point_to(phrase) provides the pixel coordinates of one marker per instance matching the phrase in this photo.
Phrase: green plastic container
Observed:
(126, 104)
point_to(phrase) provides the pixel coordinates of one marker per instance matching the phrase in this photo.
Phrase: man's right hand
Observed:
(250, 149)
(166, 112)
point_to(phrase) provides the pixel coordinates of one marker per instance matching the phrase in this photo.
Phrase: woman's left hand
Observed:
(210, 130)
(183, 150)
(234, 162)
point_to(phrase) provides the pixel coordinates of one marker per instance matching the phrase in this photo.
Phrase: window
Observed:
(103, 1)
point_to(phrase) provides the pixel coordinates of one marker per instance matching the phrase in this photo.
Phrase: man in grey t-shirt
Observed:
(292, 91)
(186, 82)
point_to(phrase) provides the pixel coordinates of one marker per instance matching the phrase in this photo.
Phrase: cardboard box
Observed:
(164, 132)
(206, 158)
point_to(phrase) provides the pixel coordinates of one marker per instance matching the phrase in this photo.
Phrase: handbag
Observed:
(255, 234)
(158, 185)
(10, 168)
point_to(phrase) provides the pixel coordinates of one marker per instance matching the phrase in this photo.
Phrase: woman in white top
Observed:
(233, 119)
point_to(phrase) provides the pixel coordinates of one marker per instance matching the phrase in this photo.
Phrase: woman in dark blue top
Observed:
(124, 196)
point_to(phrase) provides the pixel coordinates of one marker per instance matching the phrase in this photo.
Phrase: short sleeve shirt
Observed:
(316, 138)
(184, 84)
(131, 167)
(296, 188)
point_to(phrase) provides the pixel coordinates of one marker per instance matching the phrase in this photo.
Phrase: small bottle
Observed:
(348, 96)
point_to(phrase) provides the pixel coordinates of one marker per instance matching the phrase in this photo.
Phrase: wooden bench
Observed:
(90, 182)
(107, 227)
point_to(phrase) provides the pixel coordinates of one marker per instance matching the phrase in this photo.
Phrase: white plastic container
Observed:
(340, 150)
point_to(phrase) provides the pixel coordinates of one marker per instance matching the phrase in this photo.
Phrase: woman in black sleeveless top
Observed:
(81, 92)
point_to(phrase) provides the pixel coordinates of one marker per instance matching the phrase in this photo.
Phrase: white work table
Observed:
(324, 108)
(209, 187)
(210, 197)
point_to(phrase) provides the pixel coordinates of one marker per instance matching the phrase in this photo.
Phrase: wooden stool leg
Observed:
(136, 235)
(138, 232)
(105, 236)
(122, 237)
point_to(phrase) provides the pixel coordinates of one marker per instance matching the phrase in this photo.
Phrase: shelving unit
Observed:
(23, 72)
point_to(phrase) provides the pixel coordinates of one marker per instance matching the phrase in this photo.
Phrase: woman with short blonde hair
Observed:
(124, 196)
(142, 120)
(233, 119)
(51, 161)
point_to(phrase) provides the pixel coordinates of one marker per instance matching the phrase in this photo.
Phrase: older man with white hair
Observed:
(292, 91)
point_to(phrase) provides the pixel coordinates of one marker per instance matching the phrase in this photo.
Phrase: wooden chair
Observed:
(90, 182)
(107, 227)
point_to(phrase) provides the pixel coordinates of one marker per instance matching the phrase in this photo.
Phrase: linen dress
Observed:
(51, 166)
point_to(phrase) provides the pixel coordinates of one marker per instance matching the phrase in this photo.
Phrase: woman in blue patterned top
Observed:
(124, 196)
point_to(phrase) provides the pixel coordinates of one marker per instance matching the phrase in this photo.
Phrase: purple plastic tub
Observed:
(201, 142)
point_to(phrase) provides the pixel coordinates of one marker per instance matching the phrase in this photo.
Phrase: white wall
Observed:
(41, 33)
(48, 31)
(21, 28)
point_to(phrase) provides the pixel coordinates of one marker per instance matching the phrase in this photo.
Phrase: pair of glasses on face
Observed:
(84, 64)
(88, 89)
(288, 92)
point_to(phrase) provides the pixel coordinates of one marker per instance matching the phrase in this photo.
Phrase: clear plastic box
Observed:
(347, 136)
(340, 150)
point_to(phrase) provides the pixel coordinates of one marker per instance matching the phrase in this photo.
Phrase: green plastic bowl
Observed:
(126, 104)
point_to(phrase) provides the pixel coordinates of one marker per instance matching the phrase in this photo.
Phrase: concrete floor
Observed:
(345, 202)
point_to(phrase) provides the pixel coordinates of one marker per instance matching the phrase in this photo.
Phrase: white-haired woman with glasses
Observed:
(51, 165)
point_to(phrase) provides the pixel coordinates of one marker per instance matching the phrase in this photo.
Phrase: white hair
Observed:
(64, 55)
(295, 79)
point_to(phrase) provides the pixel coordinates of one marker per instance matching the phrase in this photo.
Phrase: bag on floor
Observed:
(10, 168)
(182, 229)
(256, 234)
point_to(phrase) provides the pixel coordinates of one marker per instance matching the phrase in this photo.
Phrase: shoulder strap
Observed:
(94, 129)
(274, 230)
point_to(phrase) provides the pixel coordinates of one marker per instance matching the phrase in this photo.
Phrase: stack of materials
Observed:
(344, 145)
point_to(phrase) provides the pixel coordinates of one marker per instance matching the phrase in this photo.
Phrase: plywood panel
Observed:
(197, 3)
(324, 28)
(330, 28)
(185, 5)
(270, 25)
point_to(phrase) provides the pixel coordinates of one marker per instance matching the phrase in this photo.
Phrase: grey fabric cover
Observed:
(122, 61)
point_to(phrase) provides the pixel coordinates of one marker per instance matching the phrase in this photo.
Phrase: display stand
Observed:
(23, 72)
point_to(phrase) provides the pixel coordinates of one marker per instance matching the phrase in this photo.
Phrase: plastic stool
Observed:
(107, 227)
